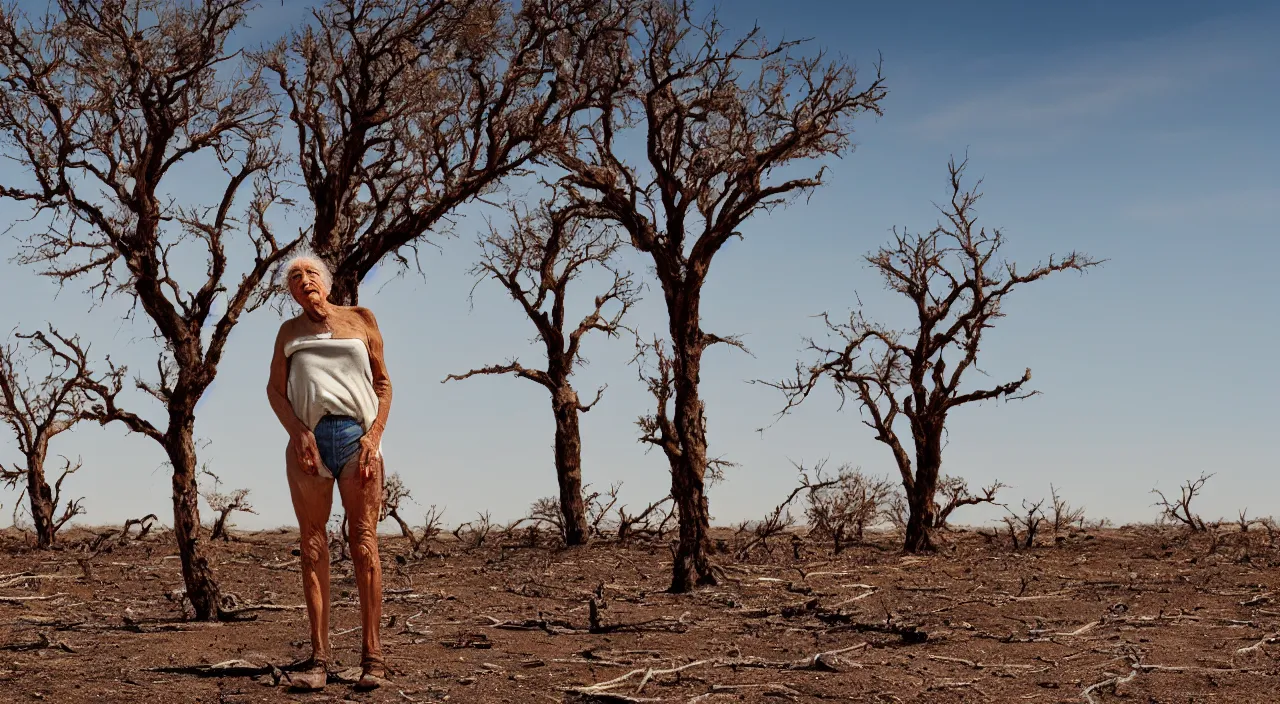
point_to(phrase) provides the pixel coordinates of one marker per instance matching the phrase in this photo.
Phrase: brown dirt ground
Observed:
(1178, 617)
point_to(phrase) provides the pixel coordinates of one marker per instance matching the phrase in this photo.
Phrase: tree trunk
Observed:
(692, 564)
(920, 524)
(220, 528)
(346, 288)
(41, 497)
(202, 586)
(569, 466)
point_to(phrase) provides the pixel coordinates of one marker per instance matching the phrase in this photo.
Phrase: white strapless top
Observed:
(330, 376)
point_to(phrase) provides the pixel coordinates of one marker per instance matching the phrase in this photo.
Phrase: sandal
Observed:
(373, 674)
(311, 676)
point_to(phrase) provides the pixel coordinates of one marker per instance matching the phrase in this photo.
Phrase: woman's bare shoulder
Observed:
(361, 316)
(288, 329)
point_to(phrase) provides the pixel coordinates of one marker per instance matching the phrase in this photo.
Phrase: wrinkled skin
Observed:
(360, 482)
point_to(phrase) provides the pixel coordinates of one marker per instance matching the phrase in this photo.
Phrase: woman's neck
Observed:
(319, 313)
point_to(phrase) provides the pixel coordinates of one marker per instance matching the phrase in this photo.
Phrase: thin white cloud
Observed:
(1064, 95)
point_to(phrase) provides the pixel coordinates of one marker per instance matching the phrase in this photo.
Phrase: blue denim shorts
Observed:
(338, 438)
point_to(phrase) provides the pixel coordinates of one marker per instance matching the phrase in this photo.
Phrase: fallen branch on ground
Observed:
(1257, 647)
(981, 665)
(824, 661)
(42, 642)
(14, 580)
(646, 674)
(144, 525)
(827, 661)
(59, 595)
(1087, 694)
(769, 689)
(261, 607)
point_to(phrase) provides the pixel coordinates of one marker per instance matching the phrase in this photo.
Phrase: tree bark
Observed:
(920, 523)
(569, 466)
(346, 287)
(41, 496)
(220, 527)
(692, 565)
(202, 587)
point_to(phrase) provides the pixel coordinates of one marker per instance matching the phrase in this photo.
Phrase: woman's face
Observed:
(307, 284)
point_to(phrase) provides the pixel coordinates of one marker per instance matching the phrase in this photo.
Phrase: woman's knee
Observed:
(364, 541)
(315, 546)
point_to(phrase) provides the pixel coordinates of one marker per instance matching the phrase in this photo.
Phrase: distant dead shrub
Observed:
(1178, 510)
(1064, 514)
(1027, 522)
(840, 510)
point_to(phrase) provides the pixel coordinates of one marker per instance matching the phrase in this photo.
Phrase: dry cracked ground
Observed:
(1135, 614)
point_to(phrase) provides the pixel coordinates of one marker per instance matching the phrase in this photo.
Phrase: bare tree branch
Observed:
(405, 109)
(730, 128)
(102, 107)
(957, 284)
(39, 410)
(509, 368)
(535, 260)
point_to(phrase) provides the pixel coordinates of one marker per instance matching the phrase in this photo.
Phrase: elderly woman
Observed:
(330, 389)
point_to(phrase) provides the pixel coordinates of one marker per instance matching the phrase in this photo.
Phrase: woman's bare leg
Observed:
(363, 503)
(312, 501)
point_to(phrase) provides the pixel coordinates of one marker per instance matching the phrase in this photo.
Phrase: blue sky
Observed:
(1136, 132)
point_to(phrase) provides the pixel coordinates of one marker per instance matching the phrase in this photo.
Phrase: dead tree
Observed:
(406, 109)
(1029, 522)
(39, 410)
(546, 511)
(957, 286)
(476, 532)
(641, 523)
(779, 519)
(954, 492)
(842, 511)
(144, 525)
(1064, 514)
(224, 505)
(1179, 510)
(535, 262)
(394, 494)
(46, 527)
(106, 106)
(599, 505)
(719, 120)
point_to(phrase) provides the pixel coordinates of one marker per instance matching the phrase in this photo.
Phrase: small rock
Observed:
(351, 675)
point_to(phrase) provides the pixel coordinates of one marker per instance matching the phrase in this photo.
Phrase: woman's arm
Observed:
(304, 441)
(381, 388)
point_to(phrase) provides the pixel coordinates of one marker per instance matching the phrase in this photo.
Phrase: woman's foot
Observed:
(373, 674)
(311, 676)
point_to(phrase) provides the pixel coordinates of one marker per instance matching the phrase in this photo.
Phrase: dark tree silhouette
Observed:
(406, 109)
(39, 410)
(103, 104)
(716, 120)
(957, 287)
(535, 261)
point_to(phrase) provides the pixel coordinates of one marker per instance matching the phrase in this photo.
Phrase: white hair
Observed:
(301, 259)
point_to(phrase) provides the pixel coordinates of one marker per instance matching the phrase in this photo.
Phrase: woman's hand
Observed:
(308, 453)
(369, 455)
